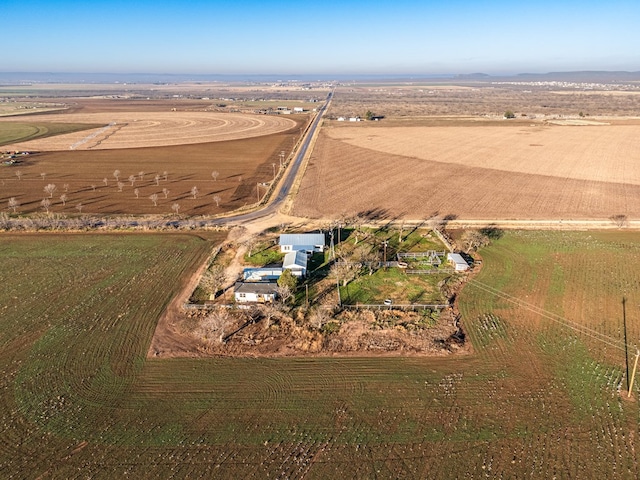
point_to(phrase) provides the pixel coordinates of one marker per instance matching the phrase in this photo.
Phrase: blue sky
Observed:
(321, 37)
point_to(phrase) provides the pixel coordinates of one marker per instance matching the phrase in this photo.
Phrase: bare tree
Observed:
(79, 207)
(63, 199)
(250, 244)
(19, 174)
(284, 293)
(212, 280)
(43, 175)
(472, 240)
(215, 174)
(136, 192)
(154, 198)
(93, 187)
(141, 175)
(343, 272)
(166, 192)
(46, 203)
(194, 191)
(105, 181)
(214, 325)
(268, 312)
(619, 220)
(66, 187)
(165, 174)
(157, 179)
(319, 318)
(50, 188)
(132, 179)
(176, 208)
(120, 186)
(116, 174)
(13, 204)
(357, 222)
(216, 198)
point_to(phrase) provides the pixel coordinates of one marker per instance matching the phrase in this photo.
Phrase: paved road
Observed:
(287, 182)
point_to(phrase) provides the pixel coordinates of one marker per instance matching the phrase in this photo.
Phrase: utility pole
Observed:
(258, 191)
(633, 375)
(384, 244)
(626, 348)
(281, 158)
(274, 170)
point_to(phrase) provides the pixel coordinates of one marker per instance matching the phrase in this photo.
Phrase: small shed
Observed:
(459, 263)
(255, 292)
(302, 242)
(296, 262)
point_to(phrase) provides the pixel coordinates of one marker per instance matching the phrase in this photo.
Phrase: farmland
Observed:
(474, 169)
(21, 132)
(146, 159)
(538, 398)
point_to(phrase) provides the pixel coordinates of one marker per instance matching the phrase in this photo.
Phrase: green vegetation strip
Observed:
(14, 132)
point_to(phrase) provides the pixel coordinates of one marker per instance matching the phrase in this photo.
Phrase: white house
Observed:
(296, 262)
(341, 119)
(298, 109)
(257, 292)
(354, 119)
(302, 242)
(458, 262)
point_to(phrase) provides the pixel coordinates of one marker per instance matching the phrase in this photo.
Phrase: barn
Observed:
(302, 242)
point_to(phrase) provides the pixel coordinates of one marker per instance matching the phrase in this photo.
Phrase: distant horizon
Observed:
(140, 77)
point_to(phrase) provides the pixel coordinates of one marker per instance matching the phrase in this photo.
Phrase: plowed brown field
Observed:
(498, 171)
(154, 129)
(146, 143)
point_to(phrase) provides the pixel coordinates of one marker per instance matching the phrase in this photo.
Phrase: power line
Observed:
(601, 337)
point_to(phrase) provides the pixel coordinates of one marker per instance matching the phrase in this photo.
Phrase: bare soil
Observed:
(515, 171)
(245, 166)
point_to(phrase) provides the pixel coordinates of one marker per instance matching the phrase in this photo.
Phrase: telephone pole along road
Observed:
(287, 181)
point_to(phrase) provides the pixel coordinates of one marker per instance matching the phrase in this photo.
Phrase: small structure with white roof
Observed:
(302, 242)
(296, 262)
(459, 263)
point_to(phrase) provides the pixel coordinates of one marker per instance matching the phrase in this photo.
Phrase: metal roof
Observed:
(306, 239)
(296, 258)
(256, 287)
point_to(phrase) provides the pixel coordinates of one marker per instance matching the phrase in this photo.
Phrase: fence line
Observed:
(433, 271)
(409, 306)
(428, 253)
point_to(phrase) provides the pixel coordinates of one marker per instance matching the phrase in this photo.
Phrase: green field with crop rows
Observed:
(537, 398)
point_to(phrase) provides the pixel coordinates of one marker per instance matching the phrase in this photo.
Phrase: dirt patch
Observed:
(252, 333)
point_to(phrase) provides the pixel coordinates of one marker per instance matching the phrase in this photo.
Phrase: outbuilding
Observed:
(302, 242)
(459, 263)
(296, 262)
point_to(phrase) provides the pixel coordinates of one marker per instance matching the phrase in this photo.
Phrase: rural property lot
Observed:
(477, 170)
(538, 397)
